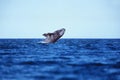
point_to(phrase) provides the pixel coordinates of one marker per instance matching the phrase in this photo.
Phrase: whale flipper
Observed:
(53, 37)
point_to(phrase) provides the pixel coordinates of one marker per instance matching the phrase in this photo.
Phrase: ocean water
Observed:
(67, 59)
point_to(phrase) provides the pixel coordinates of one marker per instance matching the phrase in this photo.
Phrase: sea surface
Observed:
(67, 59)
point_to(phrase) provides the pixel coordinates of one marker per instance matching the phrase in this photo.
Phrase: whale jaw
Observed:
(62, 31)
(53, 37)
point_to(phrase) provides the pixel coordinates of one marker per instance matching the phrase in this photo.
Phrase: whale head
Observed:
(61, 31)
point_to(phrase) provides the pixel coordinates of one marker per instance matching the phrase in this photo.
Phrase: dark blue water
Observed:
(67, 59)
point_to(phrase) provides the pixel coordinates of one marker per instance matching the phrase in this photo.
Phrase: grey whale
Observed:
(53, 37)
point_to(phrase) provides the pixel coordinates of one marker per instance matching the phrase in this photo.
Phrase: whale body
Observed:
(53, 37)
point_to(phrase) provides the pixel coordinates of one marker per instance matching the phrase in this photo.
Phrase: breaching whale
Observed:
(53, 37)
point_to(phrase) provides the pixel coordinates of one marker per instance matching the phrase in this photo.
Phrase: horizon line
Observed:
(60, 38)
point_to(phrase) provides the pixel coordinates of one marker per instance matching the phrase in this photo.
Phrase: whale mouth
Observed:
(53, 37)
(62, 31)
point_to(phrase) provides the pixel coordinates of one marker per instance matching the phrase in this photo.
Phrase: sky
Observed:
(80, 18)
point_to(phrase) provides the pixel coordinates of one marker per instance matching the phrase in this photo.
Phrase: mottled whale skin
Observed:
(53, 37)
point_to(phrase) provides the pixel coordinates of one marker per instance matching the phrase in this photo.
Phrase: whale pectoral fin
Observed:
(45, 34)
(48, 34)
